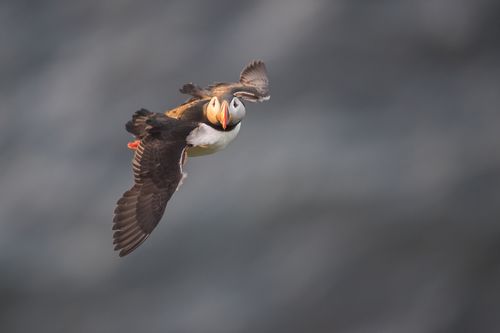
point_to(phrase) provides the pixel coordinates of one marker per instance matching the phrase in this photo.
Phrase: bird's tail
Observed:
(137, 125)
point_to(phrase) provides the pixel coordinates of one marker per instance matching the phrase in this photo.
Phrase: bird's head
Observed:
(225, 111)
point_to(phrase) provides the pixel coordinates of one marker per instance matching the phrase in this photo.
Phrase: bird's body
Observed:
(209, 138)
(205, 124)
(206, 140)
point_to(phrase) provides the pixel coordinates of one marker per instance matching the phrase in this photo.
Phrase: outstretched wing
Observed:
(255, 75)
(254, 83)
(157, 167)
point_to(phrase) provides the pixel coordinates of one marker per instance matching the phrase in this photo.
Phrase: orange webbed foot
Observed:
(133, 145)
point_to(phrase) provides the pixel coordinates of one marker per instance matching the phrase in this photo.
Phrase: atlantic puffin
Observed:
(206, 123)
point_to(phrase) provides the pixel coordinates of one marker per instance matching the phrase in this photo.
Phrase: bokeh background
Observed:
(363, 197)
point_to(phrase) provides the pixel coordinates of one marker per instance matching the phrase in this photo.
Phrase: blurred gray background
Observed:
(363, 197)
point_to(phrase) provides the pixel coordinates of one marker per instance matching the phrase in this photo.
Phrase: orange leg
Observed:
(133, 145)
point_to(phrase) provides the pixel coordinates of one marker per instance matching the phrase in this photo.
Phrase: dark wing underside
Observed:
(157, 167)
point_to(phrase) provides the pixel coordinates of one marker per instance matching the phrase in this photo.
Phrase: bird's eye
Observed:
(235, 103)
(213, 102)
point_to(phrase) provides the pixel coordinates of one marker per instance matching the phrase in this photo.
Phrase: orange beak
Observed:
(224, 115)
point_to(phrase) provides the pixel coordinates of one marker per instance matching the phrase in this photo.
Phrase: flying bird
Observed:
(206, 123)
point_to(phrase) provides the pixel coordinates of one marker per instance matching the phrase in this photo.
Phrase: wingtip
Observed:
(187, 88)
(130, 246)
(255, 75)
(255, 65)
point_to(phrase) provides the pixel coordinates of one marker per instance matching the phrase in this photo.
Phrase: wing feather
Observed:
(254, 75)
(157, 169)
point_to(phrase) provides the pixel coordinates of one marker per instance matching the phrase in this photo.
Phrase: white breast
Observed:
(207, 140)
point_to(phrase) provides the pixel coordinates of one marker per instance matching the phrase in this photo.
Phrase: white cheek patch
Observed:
(236, 110)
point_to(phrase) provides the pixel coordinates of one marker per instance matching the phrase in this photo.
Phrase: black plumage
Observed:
(157, 167)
